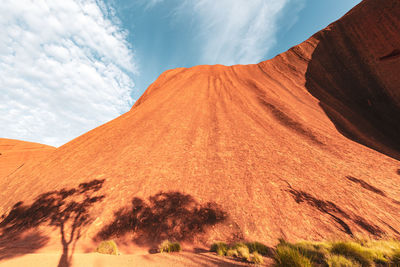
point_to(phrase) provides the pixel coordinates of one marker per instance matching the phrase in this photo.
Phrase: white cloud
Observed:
(65, 68)
(236, 31)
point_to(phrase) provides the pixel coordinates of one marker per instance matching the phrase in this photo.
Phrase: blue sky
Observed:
(68, 66)
(172, 33)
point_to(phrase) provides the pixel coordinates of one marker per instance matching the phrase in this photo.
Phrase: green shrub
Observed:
(258, 247)
(168, 247)
(256, 258)
(341, 261)
(287, 256)
(220, 248)
(107, 247)
(354, 251)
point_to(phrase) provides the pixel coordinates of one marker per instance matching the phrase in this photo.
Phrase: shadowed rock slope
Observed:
(302, 146)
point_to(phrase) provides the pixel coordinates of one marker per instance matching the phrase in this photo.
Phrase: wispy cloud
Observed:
(236, 31)
(151, 3)
(65, 68)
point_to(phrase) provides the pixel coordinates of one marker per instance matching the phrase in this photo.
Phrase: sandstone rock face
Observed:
(14, 154)
(303, 146)
(354, 72)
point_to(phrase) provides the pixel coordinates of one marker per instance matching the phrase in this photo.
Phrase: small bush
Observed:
(256, 258)
(220, 248)
(286, 256)
(340, 261)
(107, 247)
(259, 247)
(168, 247)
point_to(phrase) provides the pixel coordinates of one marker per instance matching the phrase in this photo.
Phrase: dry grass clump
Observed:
(167, 247)
(220, 248)
(107, 247)
(354, 251)
(363, 253)
(288, 256)
(395, 259)
(259, 248)
(231, 253)
(340, 261)
(243, 251)
(256, 258)
(357, 253)
(316, 251)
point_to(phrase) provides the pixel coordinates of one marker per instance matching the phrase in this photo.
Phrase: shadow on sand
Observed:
(66, 209)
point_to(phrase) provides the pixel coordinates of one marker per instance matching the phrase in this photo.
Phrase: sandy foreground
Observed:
(101, 260)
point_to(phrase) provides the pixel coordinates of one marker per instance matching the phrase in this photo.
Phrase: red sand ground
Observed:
(155, 260)
(303, 146)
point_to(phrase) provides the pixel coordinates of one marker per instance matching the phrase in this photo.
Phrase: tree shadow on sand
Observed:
(170, 215)
(66, 209)
(15, 245)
